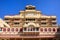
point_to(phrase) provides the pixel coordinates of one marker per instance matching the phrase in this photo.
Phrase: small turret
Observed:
(30, 7)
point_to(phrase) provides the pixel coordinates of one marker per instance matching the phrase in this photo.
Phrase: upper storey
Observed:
(31, 16)
(30, 12)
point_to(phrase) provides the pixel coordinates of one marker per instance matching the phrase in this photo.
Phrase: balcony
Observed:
(7, 20)
(54, 25)
(30, 21)
(44, 21)
(54, 21)
(17, 25)
(16, 21)
(43, 25)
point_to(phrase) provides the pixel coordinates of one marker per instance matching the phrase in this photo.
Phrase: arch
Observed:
(29, 24)
(31, 27)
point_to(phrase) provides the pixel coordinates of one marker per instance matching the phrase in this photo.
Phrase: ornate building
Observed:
(29, 24)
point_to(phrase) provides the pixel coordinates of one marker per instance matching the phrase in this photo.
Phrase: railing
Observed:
(54, 21)
(44, 21)
(7, 20)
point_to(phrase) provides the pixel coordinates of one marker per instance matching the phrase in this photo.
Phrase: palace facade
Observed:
(29, 24)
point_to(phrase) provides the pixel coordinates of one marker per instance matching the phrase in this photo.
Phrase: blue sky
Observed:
(48, 7)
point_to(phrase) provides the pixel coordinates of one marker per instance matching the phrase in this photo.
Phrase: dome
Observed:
(30, 7)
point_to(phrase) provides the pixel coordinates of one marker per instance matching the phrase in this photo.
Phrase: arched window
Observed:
(4, 29)
(37, 29)
(58, 29)
(34, 29)
(21, 29)
(8, 29)
(30, 28)
(45, 29)
(41, 29)
(12, 29)
(16, 29)
(49, 29)
(0, 29)
(53, 29)
(25, 29)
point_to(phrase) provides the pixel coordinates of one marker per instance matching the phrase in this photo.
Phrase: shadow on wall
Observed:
(57, 35)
